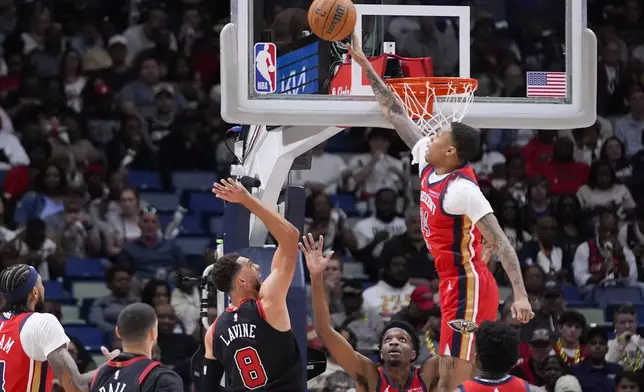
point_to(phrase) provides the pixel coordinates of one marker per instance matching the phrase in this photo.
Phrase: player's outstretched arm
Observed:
(276, 285)
(362, 370)
(498, 243)
(391, 106)
(67, 372)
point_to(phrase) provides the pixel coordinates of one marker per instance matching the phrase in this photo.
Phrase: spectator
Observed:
(333, 285)
(538, 151)
(118, 74)
(531, 368)
(162, 119)
(372, 232)
(393, 290)
(587, 143)
(130, 149)
(553, 369)
(125, 222)
(364, 322)
(544, 252)
(510, 220)
(105, 310)
(151, 256)
(329, 221)
(628, 129)
(46, 199)
(72, 227)
(411, 245)
(631, 237)
(142, 36)
(604, 190)
(187, 147)
(327, 173)
(571, 324)
(572, 230)
(73, 79)
(39, 251)
(546, 317)
(627, 382)
(627, 348)
(156, 292)
(595, 374)
(603, 258)
(102, 121)
(185, 300)
(564, 175)
(377, 170)
(516, 179)
(538, 202)
(613, 152)
(536, 281)
(610, 75)
(137, 97)
(176, 348)
(109, 204)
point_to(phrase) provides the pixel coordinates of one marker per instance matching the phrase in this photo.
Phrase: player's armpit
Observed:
(393, 108)
(498, 243)
(429, 373)
(67, 372)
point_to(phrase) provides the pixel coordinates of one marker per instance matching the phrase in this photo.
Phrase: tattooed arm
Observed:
(67, 372)
(391, 106)
(499, 244)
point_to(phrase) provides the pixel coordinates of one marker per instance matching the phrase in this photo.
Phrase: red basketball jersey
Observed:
(453, 240)
(415, 383)
(19, 372)
(506, 384)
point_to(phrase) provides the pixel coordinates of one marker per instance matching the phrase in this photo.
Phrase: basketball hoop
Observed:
(433, 102)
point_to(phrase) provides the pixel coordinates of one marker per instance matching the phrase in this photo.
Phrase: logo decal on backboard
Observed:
(462, 326)
(265, 67)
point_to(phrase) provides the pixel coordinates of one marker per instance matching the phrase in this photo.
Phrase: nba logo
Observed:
(265, 68)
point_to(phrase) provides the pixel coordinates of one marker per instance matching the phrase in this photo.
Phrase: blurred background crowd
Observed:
(111, 136)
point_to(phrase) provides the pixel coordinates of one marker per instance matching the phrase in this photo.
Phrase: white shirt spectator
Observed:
(385, 299)
(618, 195)
(325, 169)
(629, 131)
(12, 149)
(366, 229)
(580, 265)
(138, 42)
(485, 167)
(186, 307)
(381, 176)
(42, 334)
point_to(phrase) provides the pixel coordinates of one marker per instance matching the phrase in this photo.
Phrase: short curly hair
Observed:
(497, 347)
(405, 326)
(224, 271)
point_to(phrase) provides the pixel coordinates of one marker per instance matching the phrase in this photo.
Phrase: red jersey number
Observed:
(2, 369)
(250, 368)
(424, 219)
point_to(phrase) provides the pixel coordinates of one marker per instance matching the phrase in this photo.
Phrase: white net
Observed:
(434, 103)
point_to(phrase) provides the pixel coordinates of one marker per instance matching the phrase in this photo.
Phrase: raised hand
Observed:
(230, 190)
(110, 355)
(315, 260)
(356, 51)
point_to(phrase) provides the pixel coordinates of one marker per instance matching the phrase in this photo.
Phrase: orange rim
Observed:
(442, 86)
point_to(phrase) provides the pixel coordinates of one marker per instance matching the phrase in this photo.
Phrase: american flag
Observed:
(546, 85)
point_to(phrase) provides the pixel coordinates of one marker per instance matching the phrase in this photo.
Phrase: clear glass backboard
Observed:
(535, 61)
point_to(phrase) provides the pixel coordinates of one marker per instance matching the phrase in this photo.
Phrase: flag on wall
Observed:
(546, 85)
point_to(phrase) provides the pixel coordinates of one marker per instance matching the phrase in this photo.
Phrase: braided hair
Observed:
(12, 278)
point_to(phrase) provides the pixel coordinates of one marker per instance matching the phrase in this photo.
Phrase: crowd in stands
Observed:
(109, 117)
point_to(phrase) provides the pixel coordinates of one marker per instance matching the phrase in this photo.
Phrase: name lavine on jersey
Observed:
(242, 330)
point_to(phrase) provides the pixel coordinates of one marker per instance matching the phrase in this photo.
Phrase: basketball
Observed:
(332, 20)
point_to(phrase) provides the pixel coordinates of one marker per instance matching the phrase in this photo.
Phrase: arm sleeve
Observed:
(41, 334)
(418, 154)
(463, 197)
(580, 265)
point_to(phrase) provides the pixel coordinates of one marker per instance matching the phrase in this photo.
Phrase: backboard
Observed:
(535, 61)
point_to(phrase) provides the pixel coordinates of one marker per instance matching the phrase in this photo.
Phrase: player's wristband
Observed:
(211, 378)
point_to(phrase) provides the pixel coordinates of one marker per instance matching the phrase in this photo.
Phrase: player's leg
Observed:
(459, 300)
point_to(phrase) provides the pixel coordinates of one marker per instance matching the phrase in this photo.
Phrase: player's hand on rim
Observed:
(315, 259)
(230, 190)
(522, 310)
(356, 50)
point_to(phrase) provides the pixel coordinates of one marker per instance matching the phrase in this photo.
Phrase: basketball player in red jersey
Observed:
(31, 343)
(252, 342)
(454, 215)
(497, 347)
(399, 343)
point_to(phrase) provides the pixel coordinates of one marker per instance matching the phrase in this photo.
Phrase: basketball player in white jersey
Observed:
(264, 64)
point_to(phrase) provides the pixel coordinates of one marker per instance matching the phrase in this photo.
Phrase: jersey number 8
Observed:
(250, 368)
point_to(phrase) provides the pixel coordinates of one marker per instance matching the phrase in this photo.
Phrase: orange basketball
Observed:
(332, 20)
